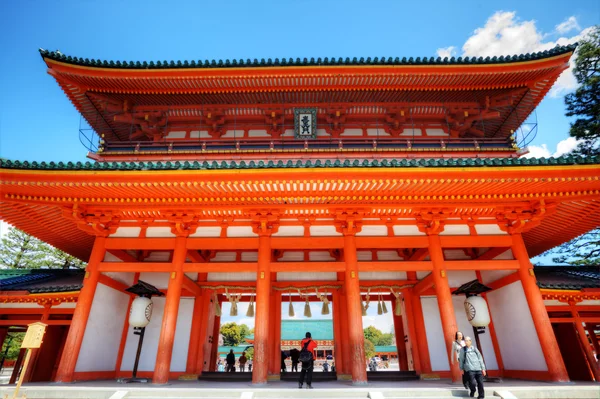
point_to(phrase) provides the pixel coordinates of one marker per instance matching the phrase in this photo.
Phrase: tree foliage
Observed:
(13, 344)
(369, 349)
(584, 103)
(377, 337)
(231, 334)
(245, 331)
(583, 250)
(19, 250)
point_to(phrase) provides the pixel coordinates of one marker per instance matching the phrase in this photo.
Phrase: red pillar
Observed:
(585, 343)
(412, 335)
(68, 361)
(191, 366)
(275, 334)
(338, 342)
(355, 325)
(421, 341)
(400, 344)
(346, 365)
(214, 349)
(554, 360)
(261, 326)
(594, 340)
(162, 368)
(444, 297)
(207, 317)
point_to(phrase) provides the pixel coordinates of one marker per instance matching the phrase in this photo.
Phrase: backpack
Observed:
(306, 356)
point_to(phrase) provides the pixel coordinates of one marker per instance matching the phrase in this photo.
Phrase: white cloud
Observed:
(446, 52)
(568, 25)
(541, 151)
(504, 34)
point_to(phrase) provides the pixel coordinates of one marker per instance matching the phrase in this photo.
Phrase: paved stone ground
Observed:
(442, 389)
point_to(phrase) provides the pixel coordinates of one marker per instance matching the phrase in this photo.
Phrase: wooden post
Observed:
(412, 335)
(68, 361)
(275, 334)
(162, 368)
(338, 354)
(585, 343)
(208, 315)
(191, 366)
(400, 344)
(261, 326)
(353, 299)
(214, 349)
(421, 336)
(541, 321)
(444, 297)
(594, 339)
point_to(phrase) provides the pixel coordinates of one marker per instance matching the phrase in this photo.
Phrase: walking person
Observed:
(230, 360)
(457, 345)
(242, 361)
(308, 361)
(471, 362)
(250, 365)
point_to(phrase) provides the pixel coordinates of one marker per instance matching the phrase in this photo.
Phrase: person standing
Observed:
(471, 362)
(250, 365)
(307, 359)
(295, 354)
(243, 362)
(230, 359)
(457, 345)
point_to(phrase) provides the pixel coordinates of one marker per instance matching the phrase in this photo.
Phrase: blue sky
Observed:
(37, 122)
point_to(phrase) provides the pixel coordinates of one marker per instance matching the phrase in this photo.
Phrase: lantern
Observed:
(477, 311)
(141, 312)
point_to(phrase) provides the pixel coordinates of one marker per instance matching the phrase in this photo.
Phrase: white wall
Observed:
(152, 335)
(435, 334)
(102, 336)
(515, 331)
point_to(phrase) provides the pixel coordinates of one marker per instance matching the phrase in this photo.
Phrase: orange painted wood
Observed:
(191, 286)
(336, 310)
(504, 281)
(421, 336)
(408, 297)
(220, 267)
(124, 256)
(492, 253)
(158, 267)
(82, 313)
(112, 283)
(475, 241)
(391, 242)
(207, 321)
(585, 344)
(493, 336)
(119, 362)
(302, 243)
(307, 266)
(35, 311)
(195, 335)
(214, 349)
(423, 285)
(162, 367)
(25, 322)
(391, 266)
(400, 344)
(444, 297)
(353, 300)
(554, 360)
(224, 243)
(261, 326)
(481, 265)
(154, 244)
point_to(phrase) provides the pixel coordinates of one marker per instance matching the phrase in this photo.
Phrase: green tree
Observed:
(245, 331)
(231, 334)
(13, 343)
(373, 334)
(19, 250)
(584, 103)
(385, 339)
(250, 353)
(583, 250)
(369, 349)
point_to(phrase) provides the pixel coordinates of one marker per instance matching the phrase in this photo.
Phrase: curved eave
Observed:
(35, 200)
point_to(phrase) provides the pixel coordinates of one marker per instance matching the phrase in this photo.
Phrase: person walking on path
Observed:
(308, 361)
(230, 359)
(243, 362)
(471, 362)
(295, 354)
(457, 345)
(250, 365)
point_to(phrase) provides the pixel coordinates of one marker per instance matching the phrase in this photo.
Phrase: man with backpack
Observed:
(306, 357)
(471, 362)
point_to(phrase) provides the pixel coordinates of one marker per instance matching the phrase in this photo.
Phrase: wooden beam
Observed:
(22, 322)
(222, 243)
(135, 267)
(33, 310)
(308, 266)
(124, 256)
(394, 266)
(492, 253)
(392, 242)
(156, 244)
(220, 267)
(191, 286)
(114, 284)
(423, 285)
(476, 241)
(572, 320)
(195, 256)
(504, 281)
(419, 255)
(307, 242)
(481, 265)
(550, 308)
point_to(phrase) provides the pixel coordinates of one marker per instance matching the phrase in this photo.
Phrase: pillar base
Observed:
(360, 383)
(344, 377)
(274, 377)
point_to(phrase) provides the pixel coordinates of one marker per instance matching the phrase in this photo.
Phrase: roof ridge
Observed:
(290, 62)
(233, 164)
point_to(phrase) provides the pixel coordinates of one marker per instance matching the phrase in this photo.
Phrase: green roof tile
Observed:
(367, 163)
(58, 56)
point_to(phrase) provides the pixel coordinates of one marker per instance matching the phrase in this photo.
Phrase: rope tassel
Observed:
(217, 306)
(325, 300)
(379, 307)
(398, 305)
(383, 306)
(291, 312)
(307, 312)
(365, 306)
(250, 312)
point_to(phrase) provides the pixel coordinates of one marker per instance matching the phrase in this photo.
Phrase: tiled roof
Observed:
(366, 163)
(290, 62)
(40, 281)
(568, 277)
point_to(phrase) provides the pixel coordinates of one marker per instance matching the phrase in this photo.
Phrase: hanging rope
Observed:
(325, 300)
(398, 308)
(364, 306)
(291, 312)
(311, 287)
(307, 312)
(250, 311)
(235, 287)
(217, 306)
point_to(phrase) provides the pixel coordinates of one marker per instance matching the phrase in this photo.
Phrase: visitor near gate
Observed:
(242, 361)
(295, 354)
(307, 360)
(457, 345)
(230, 361)
(250, 365)
(471, 362)
(325, 366)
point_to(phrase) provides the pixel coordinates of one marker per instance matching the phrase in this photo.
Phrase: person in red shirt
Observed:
(307, 367)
